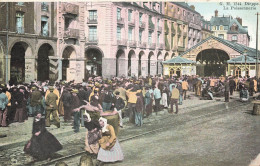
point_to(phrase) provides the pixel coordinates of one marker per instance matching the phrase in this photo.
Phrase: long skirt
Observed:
(164, 100)
(112, 155)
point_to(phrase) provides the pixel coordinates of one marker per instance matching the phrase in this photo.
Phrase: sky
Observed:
(243, 9)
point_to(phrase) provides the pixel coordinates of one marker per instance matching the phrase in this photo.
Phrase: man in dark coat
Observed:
(35, 101)
(66, 99)
(19, 102)
(227, 89)
(119, 104)
(52, 108)
(232, 85)
(76, 112)
(251, 87)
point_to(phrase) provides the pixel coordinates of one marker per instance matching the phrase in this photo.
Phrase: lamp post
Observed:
(245, 54)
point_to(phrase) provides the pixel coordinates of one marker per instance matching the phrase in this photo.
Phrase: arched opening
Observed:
(93, 62)
(68, 52)
(173, 55)
(140, 66)
(166, 56)
(17, 64)
(119, 58)
(131, 55)
(212, 62)
(151, 63)
(43, 66)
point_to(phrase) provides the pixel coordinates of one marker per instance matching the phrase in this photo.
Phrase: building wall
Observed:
(241, 39)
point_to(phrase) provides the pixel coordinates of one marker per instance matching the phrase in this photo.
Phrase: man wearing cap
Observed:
(52, 108)
(107, 102)
(119, 104)
(35, 101)
(3, 108)
(19, 102)
(175, 94)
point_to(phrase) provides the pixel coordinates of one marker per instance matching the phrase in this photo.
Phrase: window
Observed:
(44, 26)
(44, 6)
(234, 38)
(217, 27)
(140, 18)
(130, 33)
(118, 14)
(118, 33)
(221, 27)
(20, 22)
(150, 37)
(158, 38)
(221, 36)
(93, 15)
(225, 27)
(130, 15)
(158, 23)
(184, 13)
(92, 33)
(140, 36)
(20, 3)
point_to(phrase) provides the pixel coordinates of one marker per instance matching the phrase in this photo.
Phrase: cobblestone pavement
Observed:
(75, 142)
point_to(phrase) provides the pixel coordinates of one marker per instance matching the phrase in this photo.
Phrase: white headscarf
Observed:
(104, 129)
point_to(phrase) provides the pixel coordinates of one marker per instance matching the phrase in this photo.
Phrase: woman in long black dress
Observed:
(42, 144)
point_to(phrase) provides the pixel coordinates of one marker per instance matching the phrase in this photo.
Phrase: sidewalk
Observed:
(20, 133)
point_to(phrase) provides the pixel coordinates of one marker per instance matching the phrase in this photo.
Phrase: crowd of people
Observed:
(92, 102)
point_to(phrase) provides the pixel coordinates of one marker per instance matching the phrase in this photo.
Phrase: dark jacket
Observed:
(66, 98)
(19, 98)
(36, 98)
(119, 103)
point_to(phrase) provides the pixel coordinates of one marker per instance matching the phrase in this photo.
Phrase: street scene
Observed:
(129, 83)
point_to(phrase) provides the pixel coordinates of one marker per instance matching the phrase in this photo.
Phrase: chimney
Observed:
(193, 7)
(239, 20)
(216, 13)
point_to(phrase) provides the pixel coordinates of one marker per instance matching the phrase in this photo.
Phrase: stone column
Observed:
(144, 67)
(122, 67)
(30, 69)
(134, 67)
(153, 66)
(80, 70)
(108, 67)
(60, 68)
(54, 68)
(160, 68)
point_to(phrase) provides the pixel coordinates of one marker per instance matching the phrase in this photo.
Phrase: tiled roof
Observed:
(186, 6)
(241, 29)
(179, 59)
(220, 21)
(235, 46)
(242, 59)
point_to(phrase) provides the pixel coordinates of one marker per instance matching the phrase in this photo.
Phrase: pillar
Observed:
(122, 67)
(144, 67)
(30, 69)
(108, 67)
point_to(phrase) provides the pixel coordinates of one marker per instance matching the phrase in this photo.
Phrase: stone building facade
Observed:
(27, 41)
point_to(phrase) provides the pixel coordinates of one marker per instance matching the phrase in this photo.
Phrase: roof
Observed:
(179, 59)
(186, 6)
(242, 59)
(225, 21)
(237, 47)
(241, 29)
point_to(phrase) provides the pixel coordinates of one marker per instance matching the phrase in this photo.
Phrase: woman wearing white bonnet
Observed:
(110, 150)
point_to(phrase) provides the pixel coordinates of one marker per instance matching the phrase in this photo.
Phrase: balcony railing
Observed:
(20, 30)
(92, 21)
(71, 33)
(159, 29)
(131, 23)
(93, 40)
(132, 43)
(142, 44)
(180, 48)
(45, 7)
(122, 42)
(142, 24)
(45, 32)
(152, 46)
(70, 8)
(120, 20)
(161, 46)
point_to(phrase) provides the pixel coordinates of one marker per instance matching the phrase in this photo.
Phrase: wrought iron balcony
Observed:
(93, 40)
(132, 43)
(120, 20)
(71, 33)
(142, 24)
(92, 21)
(122, 42)
(131, 23)
(161, 46)
(20, 30)
(45, 32)
(142, 44)
(152, 46)
(45, 7)
(180, 48)
(69, 8)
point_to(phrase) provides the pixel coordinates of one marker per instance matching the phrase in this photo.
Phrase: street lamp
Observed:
(245, 54)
